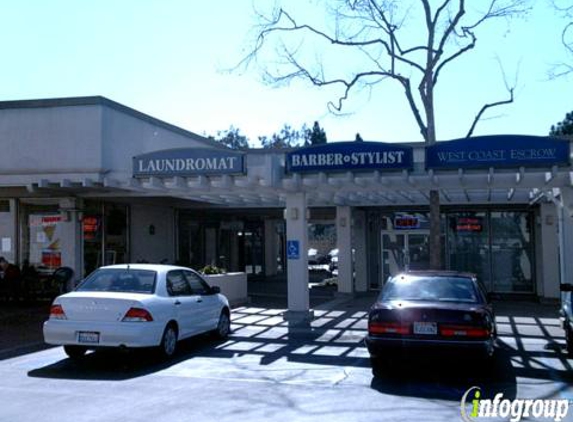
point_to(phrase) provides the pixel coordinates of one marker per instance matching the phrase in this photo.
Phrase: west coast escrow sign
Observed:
(188, 162)
(498, 151)
(340, 156)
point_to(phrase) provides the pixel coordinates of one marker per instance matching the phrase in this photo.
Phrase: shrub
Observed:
(211, 269)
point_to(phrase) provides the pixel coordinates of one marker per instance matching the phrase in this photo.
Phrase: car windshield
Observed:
(119, 280)
(432, 288)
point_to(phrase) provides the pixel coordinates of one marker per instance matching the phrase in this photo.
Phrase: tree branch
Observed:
(487, 106)
(449, 30)
(568, 44)
(372, 30)
(454, 56)
(408, 91)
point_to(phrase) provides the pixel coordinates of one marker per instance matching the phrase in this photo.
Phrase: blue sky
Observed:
(167, 58)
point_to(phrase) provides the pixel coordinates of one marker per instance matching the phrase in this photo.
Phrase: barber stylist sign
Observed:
(349, 156)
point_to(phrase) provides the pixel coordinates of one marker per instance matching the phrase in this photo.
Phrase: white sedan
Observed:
(136, 305)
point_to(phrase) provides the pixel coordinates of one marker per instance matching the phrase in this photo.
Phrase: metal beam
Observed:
(520, 175)
(445, 195)
(549, 176)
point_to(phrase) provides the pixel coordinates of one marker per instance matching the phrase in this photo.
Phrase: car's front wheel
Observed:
(223, 326)
(75, 352)
(168, 345)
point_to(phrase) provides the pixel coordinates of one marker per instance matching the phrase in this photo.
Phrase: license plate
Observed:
(425, 328)
(88, 337)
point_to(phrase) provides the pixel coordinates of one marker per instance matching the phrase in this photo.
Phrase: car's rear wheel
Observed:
(75, 352)
(223, 326)
(377, 366)
(168, 345)
(381, 366)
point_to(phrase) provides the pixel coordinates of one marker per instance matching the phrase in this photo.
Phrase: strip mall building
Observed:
(86, 182)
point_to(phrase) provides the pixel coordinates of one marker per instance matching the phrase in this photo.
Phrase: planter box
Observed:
(233, 286)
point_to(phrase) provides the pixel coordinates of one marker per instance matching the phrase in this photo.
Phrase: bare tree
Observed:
(565, 8)
(407, 42)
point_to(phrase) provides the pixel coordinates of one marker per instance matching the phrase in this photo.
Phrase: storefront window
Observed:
(105, 233)
(41, 236)
(116, 234)
(496, 246)
(468, 244)
(191, 243)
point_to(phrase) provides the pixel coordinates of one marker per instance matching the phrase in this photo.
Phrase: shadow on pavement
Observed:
(439, 379)
(117, 365)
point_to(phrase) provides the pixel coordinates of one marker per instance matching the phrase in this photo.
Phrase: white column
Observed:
(547, 252)
(344, 242)
(271, 250)
(360, 252)
(566, 235)
(297, 260)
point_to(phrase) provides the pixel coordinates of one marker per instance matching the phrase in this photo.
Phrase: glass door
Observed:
(418, 250)
(402, 251)
(512, 250)
(393, 254)
(254, 251)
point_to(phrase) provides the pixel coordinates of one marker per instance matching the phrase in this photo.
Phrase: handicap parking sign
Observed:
(293, 249)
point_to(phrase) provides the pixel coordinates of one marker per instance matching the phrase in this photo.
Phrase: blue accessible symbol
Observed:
(293, 249)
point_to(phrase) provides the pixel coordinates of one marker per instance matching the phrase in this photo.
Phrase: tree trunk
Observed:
(435, 231)
(435, 227)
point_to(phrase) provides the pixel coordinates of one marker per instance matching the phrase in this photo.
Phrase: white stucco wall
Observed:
(152, 247)
(73, 138)
(125, 136)
(49, 140)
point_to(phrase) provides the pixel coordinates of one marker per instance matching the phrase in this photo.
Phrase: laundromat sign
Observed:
(498, 151)
(340, 156)
(188, 162)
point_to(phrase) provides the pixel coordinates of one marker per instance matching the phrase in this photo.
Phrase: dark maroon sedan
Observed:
(423, 311)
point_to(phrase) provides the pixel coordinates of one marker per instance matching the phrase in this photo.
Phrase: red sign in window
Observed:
(51, 259)
(91, 227)
(469, 224)
(406, 223)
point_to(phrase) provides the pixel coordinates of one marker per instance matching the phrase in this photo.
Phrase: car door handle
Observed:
(199, 300)
(177, 303)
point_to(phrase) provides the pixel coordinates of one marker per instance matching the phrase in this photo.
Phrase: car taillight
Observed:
(375, 327)
(57, 312)
(137, 315)
(463, 331)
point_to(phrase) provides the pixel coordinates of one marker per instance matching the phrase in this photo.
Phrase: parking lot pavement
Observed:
(269, 371)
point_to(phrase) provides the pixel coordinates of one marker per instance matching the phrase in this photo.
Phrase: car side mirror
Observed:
(566, 287)
(215, 290)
